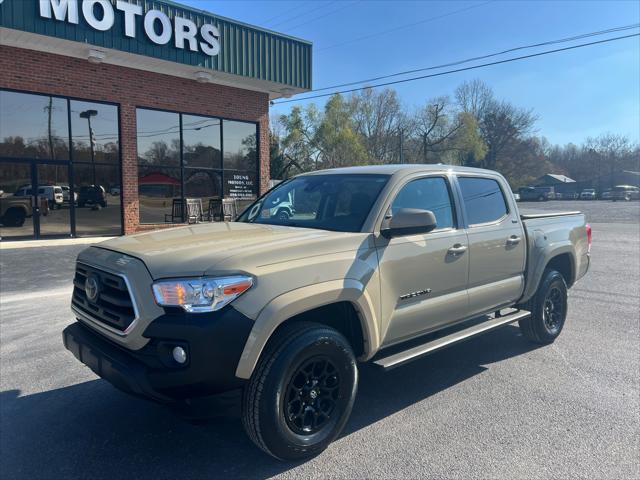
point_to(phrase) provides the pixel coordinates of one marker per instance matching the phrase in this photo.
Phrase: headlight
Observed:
(200, 294)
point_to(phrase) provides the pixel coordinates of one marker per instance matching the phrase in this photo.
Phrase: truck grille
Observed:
(112, 305)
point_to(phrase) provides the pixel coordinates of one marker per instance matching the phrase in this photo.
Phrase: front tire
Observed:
(548, 309)
(301, 393)
(14, 217)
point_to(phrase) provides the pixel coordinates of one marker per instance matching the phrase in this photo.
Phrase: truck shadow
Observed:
(92, 430)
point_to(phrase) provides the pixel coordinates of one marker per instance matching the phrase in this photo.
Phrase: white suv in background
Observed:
(52, 193)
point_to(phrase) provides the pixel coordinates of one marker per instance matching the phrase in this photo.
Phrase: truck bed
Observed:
(552, 234)
(532, 216)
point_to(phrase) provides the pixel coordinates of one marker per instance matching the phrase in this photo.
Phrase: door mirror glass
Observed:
(409, 221)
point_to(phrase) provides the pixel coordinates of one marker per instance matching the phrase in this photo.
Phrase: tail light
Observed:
(588, 229)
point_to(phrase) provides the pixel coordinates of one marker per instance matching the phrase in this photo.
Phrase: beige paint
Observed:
(298, 269)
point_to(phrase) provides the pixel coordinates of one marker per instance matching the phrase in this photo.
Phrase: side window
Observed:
(427, 194)
(483, 200)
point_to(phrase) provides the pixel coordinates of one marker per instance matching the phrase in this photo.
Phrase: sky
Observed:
(576, 94)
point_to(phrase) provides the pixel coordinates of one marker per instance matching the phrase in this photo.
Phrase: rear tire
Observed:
(548, 308)
(301, 393)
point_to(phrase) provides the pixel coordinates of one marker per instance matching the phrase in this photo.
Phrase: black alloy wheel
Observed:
(548, 308)
(301, 393)
(311, 396)
(553, 312)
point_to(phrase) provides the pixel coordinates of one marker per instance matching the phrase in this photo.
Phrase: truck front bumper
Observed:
(213, 343)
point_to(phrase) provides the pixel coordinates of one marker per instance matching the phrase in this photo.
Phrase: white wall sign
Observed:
(101, 15)
(241, 187)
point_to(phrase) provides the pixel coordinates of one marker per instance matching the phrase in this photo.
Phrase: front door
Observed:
(32, 202)
(424, 276)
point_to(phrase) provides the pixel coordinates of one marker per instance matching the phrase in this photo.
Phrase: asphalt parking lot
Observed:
(493, 407)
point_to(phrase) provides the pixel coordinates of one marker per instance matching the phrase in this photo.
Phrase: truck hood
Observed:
(214, 248)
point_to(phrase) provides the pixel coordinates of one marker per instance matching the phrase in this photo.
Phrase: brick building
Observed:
(114, 113)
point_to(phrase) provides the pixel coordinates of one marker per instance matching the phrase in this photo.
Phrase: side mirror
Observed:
(408, 221)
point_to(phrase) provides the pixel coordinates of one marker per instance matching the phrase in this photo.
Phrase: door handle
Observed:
(513, 240)
(457, 249)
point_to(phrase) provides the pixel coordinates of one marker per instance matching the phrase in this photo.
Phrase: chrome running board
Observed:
(406, 356)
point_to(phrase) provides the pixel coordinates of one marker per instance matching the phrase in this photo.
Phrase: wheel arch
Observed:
(564, 263)
(21, 208)
(315, 302)
(561, 259)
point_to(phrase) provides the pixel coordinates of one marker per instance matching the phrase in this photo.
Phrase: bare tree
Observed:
(500, 124)
(435, 126)
(377, 118)
(474, 97)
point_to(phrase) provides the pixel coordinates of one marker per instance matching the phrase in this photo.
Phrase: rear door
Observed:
(496, 243)
(423, 276)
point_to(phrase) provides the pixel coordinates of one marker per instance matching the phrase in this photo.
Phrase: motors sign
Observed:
(100, 15)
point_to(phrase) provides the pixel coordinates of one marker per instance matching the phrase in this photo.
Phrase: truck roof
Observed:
(396, 168)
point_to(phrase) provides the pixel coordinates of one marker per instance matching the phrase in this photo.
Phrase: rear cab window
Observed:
(484, 200)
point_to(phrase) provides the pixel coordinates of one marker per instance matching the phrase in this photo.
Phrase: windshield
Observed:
(327, 202)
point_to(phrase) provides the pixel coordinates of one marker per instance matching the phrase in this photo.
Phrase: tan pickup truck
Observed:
(14, 210)
(382, 264)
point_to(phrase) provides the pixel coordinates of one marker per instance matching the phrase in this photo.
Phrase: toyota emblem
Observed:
(92, 289)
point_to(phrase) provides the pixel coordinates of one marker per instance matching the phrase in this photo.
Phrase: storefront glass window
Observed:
(204, 184)
(96, 172)
(97, 197)
(80, 187)
(33, 126)
(158, 138)
(158, 188)
(167, 161)
(240, 145)
(201, 142)
(95, 125)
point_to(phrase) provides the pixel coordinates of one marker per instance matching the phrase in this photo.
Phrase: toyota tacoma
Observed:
(381, 264)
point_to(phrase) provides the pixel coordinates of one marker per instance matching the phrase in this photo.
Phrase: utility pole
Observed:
(88, 114)
(51, 149)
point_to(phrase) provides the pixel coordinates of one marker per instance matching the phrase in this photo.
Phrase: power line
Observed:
(325, 15)
(483, 57)
(473, 67)
(303, 14)
(402, 27)
(270, 19)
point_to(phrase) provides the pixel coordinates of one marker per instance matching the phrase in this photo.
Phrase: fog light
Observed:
(179, 355)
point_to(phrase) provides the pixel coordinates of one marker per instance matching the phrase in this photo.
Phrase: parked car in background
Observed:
(536, 194)
(625, 193)
(92, 195)
(52, 193)
(588, 194)
(606, 195)
(66, 194)
(282, 208)
(14, 209)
